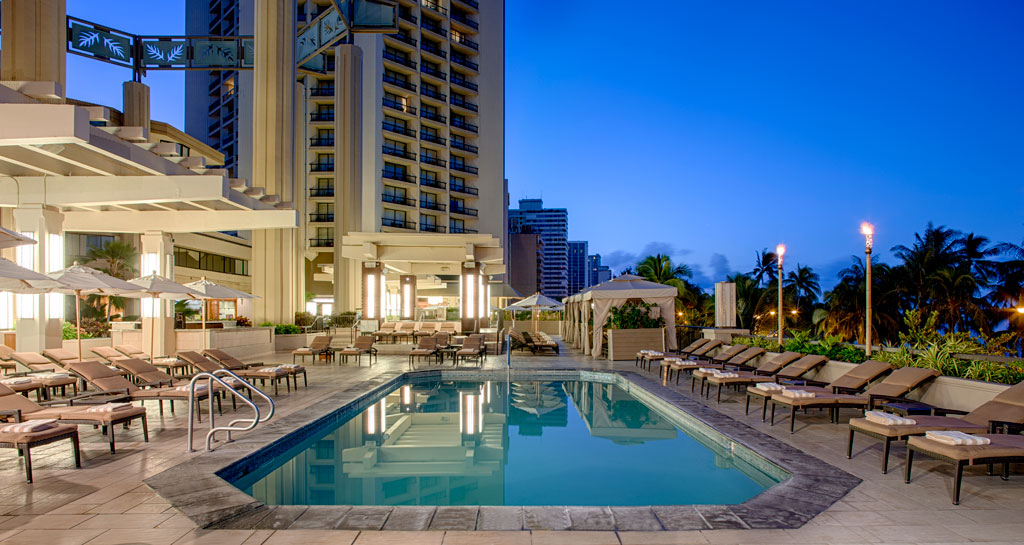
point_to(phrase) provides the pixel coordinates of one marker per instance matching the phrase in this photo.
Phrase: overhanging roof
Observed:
(425, 253)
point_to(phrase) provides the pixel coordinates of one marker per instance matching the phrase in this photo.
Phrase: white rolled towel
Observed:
(888, 419)
(769, 387)
(30, 426)
(673, 360)
(290, 366)
(199, 388)
(277, 369)
(957, 438)
(797, 394)
(725, 375)
(17, 380)
(109, 408)
(707, 370)
(165, 360)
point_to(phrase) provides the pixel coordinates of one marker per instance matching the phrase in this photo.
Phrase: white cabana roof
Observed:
(616, 292)
(625, 287)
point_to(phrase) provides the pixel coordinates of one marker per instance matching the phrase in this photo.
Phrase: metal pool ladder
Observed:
(215, 377)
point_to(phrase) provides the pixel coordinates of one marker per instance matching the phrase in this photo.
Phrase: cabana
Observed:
(613, 293)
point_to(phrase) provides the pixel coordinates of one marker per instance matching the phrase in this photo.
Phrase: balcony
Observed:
(462, 124)
(321, 167)
(399, 83)
(434, 6)
(459, 188)
(404, 61)
(405, 38)
(398, 152)
(427, 137)
(321, 192)
(433, 116)
(465, 147)
(398, 129)
(432, 205)
(472, 3)
(427, 159)
(398, 175)
(466, 21)
(321, 142)
(433, 72)
(391, 198)
(465, 211)
(321, 217)
(463, 104)
(430, 228)
(321, 116)
(433, 27)
(321, 243)
(432, 182)
(395, 105)
(433, 94)
(465, 83)
(401, 224)
(459, 59)
(434, 50)
(321, 91)
(462, 39)
(407, 15)
(460, 230)
(462, 167)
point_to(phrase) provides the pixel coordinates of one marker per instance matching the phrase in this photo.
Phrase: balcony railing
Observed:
(471, 3)
(321, 243)
(459, 59)
(321, 167)
(401, 224)
(321, 91)
(433, 116)
(395, 105)
(321, 116)
(397, 175)
(404, 38)
(397, 199)
(464, 40)
(430, 228)
(433, 27)
(462, 167)
(432, 160)
(465, 147)
(319, 217)
(463, 82)
(464, 189)
(321, 192)
(433, 94)
(434, 49)
(399, 83)
(321, 141)
(432, 205)
(466, 21)
(405, 61)
(398, 152)
(432, 182)
(463, 104)
(434, 6)
(456, 230)
(408, 16)
(466, 211)
(433, 72)
(462, 124)
(398, 129)
(427, 137)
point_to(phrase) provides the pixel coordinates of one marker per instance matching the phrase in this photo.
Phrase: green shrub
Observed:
(342, 319)
(287, 329)
(242, 321)
(634, 315)
(304, 319)
(267, 324)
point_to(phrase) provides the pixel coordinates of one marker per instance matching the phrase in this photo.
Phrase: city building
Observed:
(552, 224)
(526, 262)
(579, 277)
(596, 271)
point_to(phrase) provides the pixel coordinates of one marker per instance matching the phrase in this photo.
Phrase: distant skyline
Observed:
(733, 126)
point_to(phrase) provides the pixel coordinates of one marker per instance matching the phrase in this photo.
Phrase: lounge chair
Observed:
(6, 363)
(645, 358)
(25, 441)
(449, 328)
(321, 346)
(52, 376)
(235, 364)
(362, 345)
(404, 329)
(274, 374)
(1007, 407)
(850, 382)
(426, 347)
(1002, 448)
(106, 380)
(703, 351)
(724, 354)
(17, 408)
(146, 373)
(133, 351)
(472, 348)
(791, 371)
(538, 342)
(108, 353)
(727, 353)
(426, 329)
(385, 331)
(766, 372)
(894, 387)
(60, 355)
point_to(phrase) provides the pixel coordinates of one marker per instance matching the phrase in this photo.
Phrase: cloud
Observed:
(620, 259)
(719, 266)
(701, 279)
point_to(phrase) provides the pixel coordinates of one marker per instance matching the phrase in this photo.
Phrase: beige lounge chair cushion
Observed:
(922, 424)
(802, 366)
(746, 355)
(1001, 446)
(422, 352)
(32, 437)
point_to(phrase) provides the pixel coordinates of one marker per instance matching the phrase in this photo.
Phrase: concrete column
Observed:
(39, 316)
(407, 296)
(469, 300)
(136, 105)
(725, 304)
(373, 279)
(273, 158)
(158, 315)
(34, 41)
(348, 130)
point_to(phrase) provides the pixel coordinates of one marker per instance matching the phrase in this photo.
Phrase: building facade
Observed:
(596, 271)
(526, 262)
(552, 224)
(579, 277)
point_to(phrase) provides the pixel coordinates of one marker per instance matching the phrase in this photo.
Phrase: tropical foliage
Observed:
(117, 259)
(635, 315)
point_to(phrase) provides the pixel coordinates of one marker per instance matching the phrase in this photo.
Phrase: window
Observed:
(428, 175)
(325, 233)
(325, 208)
(394, 171)
(398, 192)
(458, 161)
(428, 198)
(195, 259)
(395, 122)
(428, 221)
(325, 134)
(324, 183)
(325, 159)
(395, 145)
(394, 218)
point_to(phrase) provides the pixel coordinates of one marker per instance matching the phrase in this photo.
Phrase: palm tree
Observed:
(116, 259)
(937, 248)
(659, 268)
(749, 298)
(845, 305)
(804, 283)
(952, 293)
(765, 264)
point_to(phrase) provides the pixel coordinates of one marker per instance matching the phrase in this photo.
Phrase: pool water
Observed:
(500, 443)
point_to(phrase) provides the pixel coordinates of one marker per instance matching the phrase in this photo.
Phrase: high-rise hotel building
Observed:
(430, 141)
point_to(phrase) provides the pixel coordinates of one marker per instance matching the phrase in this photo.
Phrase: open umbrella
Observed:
(10, 239)
(159, 287)
(213, 290)
(80, 280)
(534, 303)
(18, 279)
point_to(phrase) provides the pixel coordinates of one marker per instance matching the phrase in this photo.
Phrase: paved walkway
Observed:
(106, 501)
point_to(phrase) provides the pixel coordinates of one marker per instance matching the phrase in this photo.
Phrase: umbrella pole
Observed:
(203, 303)
(152, 329)
(78, 320)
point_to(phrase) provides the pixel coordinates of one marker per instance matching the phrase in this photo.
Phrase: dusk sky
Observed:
(711, 130)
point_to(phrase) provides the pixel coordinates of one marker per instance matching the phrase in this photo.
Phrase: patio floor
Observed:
(106, 502)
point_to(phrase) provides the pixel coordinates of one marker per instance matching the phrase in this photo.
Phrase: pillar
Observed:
(39, 317)
(157, 314)
(348, 132)
(273, 158)
(34, 41)
(725, 304)
(374, 291)
(135, 98)
(470, 287)
(407, 296)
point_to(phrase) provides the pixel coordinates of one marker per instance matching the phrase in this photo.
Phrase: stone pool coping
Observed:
(196, 489)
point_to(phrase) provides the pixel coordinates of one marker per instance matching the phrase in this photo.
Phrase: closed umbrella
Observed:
(159, 287)
(80, 280)
(213, 290)
(10, 239)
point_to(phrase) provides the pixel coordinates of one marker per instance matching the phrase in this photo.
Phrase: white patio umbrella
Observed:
(17, 279)
(158, 287)
(533, 303)
(80, 280)
(213, 290)
(10, 239)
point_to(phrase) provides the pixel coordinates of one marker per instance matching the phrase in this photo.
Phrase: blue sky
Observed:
(712, 130)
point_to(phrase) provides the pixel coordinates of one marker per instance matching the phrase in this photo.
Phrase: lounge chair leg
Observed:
(764, 409)
(112, 446)
(1006, 471)
(910, 462)
(161, 403)
(792, 420)
(78, 451)
(956, 484)
(885, 453)
(26, 453)
(849, 445)
(145, 429)
(772, 421)
(746, 409)
(719, 393)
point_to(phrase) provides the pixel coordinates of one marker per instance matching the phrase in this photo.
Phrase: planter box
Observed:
(287, 343)
(623, 344)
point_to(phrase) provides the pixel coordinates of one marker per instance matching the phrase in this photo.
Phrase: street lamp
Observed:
(780, 250)
(868, 231)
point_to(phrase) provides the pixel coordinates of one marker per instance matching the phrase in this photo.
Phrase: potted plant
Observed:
(632, 327)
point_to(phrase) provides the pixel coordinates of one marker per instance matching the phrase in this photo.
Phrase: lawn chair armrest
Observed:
(16, 413)
(872, 398)
(843, 390)
(938, 411)
(107, 397)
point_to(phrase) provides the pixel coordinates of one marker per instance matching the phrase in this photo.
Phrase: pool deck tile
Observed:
(455, 518)
(410, 517)
(319, 517)
(574, 538)
(364, 517)
(545, 518)
(635, 519)
(591, 518)
(680, 517)
(500, 518)
(402, 537)
(487, 538)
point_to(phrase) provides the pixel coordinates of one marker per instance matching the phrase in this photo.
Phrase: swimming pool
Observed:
(528, 441)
